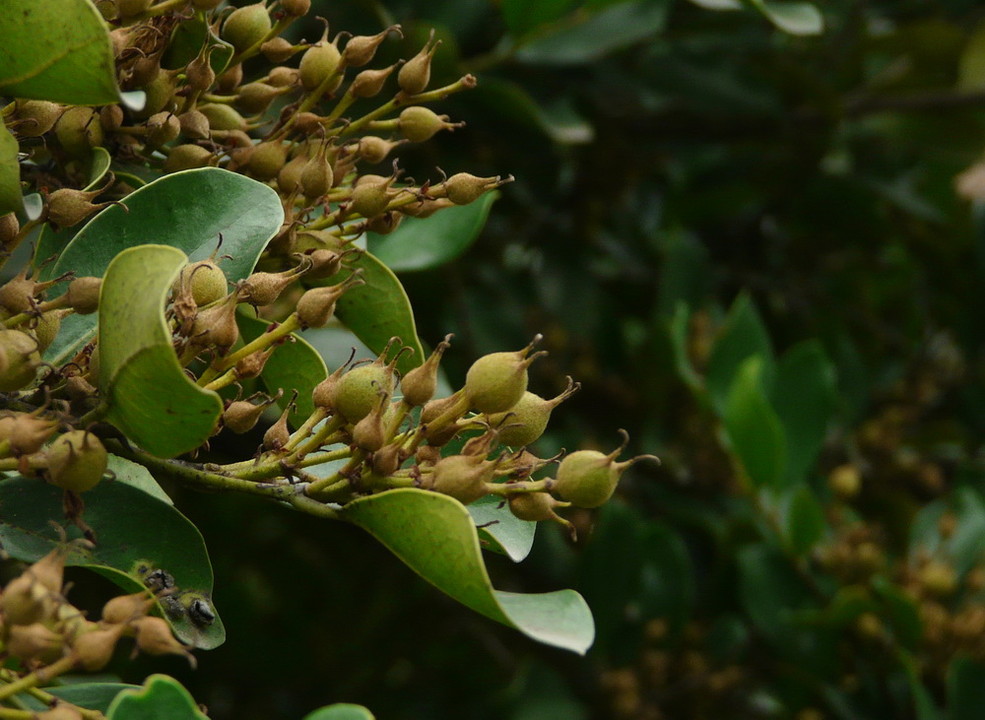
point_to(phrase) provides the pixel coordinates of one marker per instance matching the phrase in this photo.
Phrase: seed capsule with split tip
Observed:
(415, 75)
(497, 381)
(76, 461)
(588, 478)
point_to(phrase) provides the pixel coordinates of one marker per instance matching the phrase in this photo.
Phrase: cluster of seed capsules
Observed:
(49, 636)
(309, 130)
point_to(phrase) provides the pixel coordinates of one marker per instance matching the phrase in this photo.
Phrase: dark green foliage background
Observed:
(715, 156)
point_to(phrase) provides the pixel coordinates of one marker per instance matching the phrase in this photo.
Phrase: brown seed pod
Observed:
(186, 157)
(9, 228)
(216, 326)
(255, 97)
(419, 384)
(126, 608)
(369, 83)
(36, 117)
(95, 647)
(242, 415)
(374, 149)
(462, 477)
(267, 159)
(283, 77)
(33, 642)
(277, 435)
(22, 359)
(78, 131)
(76, 461)
(83, 294)
(194, 125)
(230, 79)
(278, 49)
(360, 49)
(316, 306)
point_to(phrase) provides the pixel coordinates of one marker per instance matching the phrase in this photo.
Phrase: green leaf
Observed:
(137, 476)
(804, 523)
(425, 243)
(56, 50)
(742, 335)
(340, 711)
(971, 70)
(753, 428)
(149, 396)
(718, 4)
(436, 537)
(965, 689)
(380, 310)
(161, 698)
(796, 18)
(88, 695)
(294, 365)
(521, 16)
(804, 396)
(587, 37)
(187, 210)
(131, 526)
(500, 530)
(770, 591)
(678, 331)
(11, 199)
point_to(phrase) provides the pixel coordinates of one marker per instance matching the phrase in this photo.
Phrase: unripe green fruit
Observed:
(369, 200)
(464, 188)
(194, 125)
(267, 159)
(358, 391)
(246, 26)
(585, 478)
(462, 477)
(419, 124)
(78, 131)
(496, 382)
(523, 423)
(255, 97)
(289, 176)
(160, 95)
(76, 461)
(241, 416)
(36, 117)
(47, 329)
(283, 77)
(23, 359)
(318, 63)
(162, 128)
(374, 149)
(204, 280)
(222, 117)
(186, 157)
(324, 264)
(316, 177)
(533, 507)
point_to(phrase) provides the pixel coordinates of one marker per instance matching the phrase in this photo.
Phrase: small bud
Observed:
(17, 294)
(283, 77)
(369, 433)
(186, 157)
(415, 75)
(535, 507)
(95, 648)
(419, 384)
(426, 207)
(162, 128)
(267, 159)
(36, 117)
(194, 125)
(199, 75)
(33, 642)
(361, 48)
(25, 601)
(246, 26)
(277, 435)
(252, 365)
(67, 207)
(319, 63)
(255, 97)
(216, 326)
(387, 460)
(76, 461)
(368, 83)
(242, 415)
(419, 124)
(317, 177)
(126, 608)
(324, 263)
(263, 288)
(384, 223)
(316, 306)
(27, 434)
(23, 359)
(278, 49)
(83, 294)
(159, 93)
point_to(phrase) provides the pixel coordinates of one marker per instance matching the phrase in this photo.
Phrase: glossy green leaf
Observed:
(500, 530)
(161, 698)
(89, 695)
(790, 16)
(753, 427)
(804, 523)
(131, 527)
(149, 396)
(136, 476)
(588, 37)
(11, 199)
(99, 162)
(436, 537)
(340, 711)
(804, 395)
(965, 689)
(56, 50)
(742, 335)
(522, 16)
(511, 103)
(425, 243)
(380, 310)
(771, 592)
(187, 210)
(678, 331)
(294, 365)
